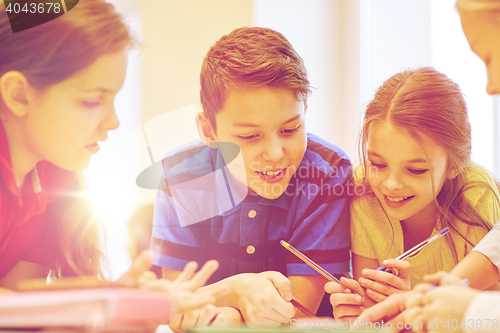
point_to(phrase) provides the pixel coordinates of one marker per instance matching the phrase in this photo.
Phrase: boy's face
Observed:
(268, 124)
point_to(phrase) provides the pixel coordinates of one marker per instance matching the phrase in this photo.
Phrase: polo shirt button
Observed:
(252, 214)
(250, 249)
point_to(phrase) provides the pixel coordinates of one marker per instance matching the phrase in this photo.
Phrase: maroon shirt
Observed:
(25, 230)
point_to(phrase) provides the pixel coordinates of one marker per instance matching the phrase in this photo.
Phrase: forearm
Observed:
(23, 270)
(476, 267)
(308, 291)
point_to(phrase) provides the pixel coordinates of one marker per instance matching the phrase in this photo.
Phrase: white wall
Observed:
(452, 55)
(395, 35)
(325, 34)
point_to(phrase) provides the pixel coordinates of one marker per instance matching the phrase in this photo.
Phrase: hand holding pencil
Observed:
(339, 286)
(347, 295)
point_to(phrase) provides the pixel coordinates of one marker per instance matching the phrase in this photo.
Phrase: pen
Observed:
(302, 308)
(311, 263)
(417, 248)
(463, 281)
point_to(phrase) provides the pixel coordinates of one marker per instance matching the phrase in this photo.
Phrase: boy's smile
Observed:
(268, 124)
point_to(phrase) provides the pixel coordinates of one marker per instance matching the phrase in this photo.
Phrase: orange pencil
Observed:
(311, 263)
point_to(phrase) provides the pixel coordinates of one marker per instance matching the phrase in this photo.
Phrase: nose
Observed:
(493, 86)
(274, 150)
(393, 182)
(110, 120)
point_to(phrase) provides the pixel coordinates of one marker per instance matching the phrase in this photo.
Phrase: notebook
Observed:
(91, 310)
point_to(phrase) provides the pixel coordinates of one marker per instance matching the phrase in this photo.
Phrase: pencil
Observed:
(311, 263)
(302, 308)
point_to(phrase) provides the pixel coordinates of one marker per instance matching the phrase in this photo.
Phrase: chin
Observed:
(400, 216)
(74, 166)
(269, 191)
(271, 196)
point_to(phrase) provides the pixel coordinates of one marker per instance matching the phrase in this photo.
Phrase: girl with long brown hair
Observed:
(58, 82)
(419, 179)
(57, 85)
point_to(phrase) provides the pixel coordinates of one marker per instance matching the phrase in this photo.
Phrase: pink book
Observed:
(94, 310)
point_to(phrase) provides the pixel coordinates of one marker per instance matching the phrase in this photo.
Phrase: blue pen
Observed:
(417, 248)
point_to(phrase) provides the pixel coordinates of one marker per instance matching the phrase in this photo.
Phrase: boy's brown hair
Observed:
(250, 57)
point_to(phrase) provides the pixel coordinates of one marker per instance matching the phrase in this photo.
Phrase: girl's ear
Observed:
(205, 130)
(453, 173)
(14, 88)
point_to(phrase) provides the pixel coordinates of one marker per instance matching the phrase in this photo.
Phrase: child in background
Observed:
(58, 81)
(415, 147)
(140, 228)
(254, 90)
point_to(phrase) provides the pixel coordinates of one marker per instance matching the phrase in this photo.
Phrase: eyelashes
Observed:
(416, 172)
(90, 104)
(285, 132)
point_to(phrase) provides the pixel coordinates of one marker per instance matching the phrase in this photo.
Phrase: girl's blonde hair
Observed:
(425, 102)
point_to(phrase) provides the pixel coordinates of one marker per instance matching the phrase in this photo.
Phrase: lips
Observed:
(397, 201)
(94, 148)
(272, 176)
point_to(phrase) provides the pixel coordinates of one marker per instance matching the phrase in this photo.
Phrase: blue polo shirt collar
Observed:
(281, 202)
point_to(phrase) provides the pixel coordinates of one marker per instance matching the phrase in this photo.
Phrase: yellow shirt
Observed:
(375, 236)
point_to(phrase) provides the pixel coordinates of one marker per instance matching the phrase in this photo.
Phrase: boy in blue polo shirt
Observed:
(273, 181)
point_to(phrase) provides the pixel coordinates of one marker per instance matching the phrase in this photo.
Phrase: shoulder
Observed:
(482, 193)
(321, 151)
(325, 160)
(480, 184)
(193, 158)
(476, 173)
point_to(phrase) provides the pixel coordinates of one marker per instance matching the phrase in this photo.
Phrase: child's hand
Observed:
(392, 310)
(264, 298)
(442, 278)
(184, 291)
(448, 302)
(379, 285)
(140, 265)
(209, 315)
(346, 305)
